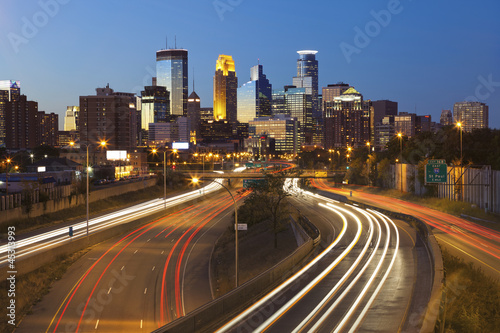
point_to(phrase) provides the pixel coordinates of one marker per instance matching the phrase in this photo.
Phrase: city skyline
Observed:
(423, 57)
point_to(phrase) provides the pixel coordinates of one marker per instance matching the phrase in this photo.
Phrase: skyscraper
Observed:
(71, 118)
(255, 96)
(225, 89)
(350, 120)
(307, 77)
(471, 115)
(194, 116)
(299, 106)
(446, 118)
(10, 91)
(155, 104)
(172, 73)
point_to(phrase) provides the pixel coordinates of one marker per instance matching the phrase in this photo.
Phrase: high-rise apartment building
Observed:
(10, 90)
(347, 121)
(307, 77)
(471, 114)
(446, 118)
(254, 97)
(155, 106)
(109, 116)
(48, 129)
(71, 118)
(406, 124)
(225, 90)
(172, 73)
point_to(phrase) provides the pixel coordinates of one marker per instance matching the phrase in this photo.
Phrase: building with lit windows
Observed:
(172, 73)
(48, 129)
(10, 91)
(278, 105)
(348, 122)
(71, 118)
(446, 118)
(109, 116)
(406, 123)
(283, 129)
(194, 116)
(307, 77)
(471, 114)
(155, 106)
(225, 90)
(254, 97)
(299, 105)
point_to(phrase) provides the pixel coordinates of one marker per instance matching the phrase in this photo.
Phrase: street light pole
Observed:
(165, 178)
(195, 180)
(400, 136)
(87, 201)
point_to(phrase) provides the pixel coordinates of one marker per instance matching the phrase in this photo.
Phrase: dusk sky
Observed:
(426, 55)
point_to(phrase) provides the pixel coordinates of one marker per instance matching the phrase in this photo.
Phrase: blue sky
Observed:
(426, 55)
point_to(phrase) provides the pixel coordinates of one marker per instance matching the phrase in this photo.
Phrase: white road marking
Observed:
(109, 290)
(145, 290)
(153, 268)
(96, 324)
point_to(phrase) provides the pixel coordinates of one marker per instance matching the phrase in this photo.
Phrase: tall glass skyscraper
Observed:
(307, 77)
(155, 106)
(255, 96)
(225, 89)
(172, 73)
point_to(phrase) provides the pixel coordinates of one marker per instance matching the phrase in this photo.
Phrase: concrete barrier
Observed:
(212, 315)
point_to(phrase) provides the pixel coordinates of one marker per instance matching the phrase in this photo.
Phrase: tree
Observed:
(267, 202)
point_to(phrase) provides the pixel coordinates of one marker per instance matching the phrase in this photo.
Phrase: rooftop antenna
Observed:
(176, 41)
(193, 78)
(166, 42)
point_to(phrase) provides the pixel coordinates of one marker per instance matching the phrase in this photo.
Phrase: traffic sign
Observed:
(436, 171)
(242, 226)
(321, 174)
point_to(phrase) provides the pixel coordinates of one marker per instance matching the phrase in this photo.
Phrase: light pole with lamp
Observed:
(7, 176)
(195, 181)
(368, 144)
(102, 144)
(460, 127)
(164, 175)
(400, 136)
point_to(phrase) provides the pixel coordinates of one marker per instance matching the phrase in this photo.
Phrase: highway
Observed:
(462, 238)
(59, 236)
(141, 281)
(364, 279)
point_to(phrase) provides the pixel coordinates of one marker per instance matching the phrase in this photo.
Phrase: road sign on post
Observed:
(242, 226)
(436, 171)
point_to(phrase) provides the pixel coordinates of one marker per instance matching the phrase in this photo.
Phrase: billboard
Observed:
(180, 145)
(116, 155)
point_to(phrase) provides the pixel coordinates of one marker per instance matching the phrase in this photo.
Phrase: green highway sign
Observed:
(249, 183)
(436, 171)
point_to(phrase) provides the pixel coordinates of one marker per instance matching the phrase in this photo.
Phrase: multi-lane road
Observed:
(462, 238)
(364, 279)
(140, 281)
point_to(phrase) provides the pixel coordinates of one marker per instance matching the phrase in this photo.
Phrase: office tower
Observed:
(255, 96)
(349, 125)
(172, 73)
(109, 116)
(48, 129)
(446, 118)
(383, 108)
(307, 77)
(174, 131)
(194, 116)
(10, 91)
(423, 124)
(471, 114)
(225, 90)
(206, 114)
(405, 123)
(299, 105)
(281, 128)
(155, 106)
(384, 132)
(71, 118)
(278, 105)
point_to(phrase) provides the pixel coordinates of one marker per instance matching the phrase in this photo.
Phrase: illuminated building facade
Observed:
(255, 96)
(71, 118)
(299, 106)
(194, 116)
(446, 118)
(283, 129)
(225, 90)
(347, 120)
(10, 91)
(155, 106)
(471, 114)
(48, 129)
(172, 73)
(307, 77)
